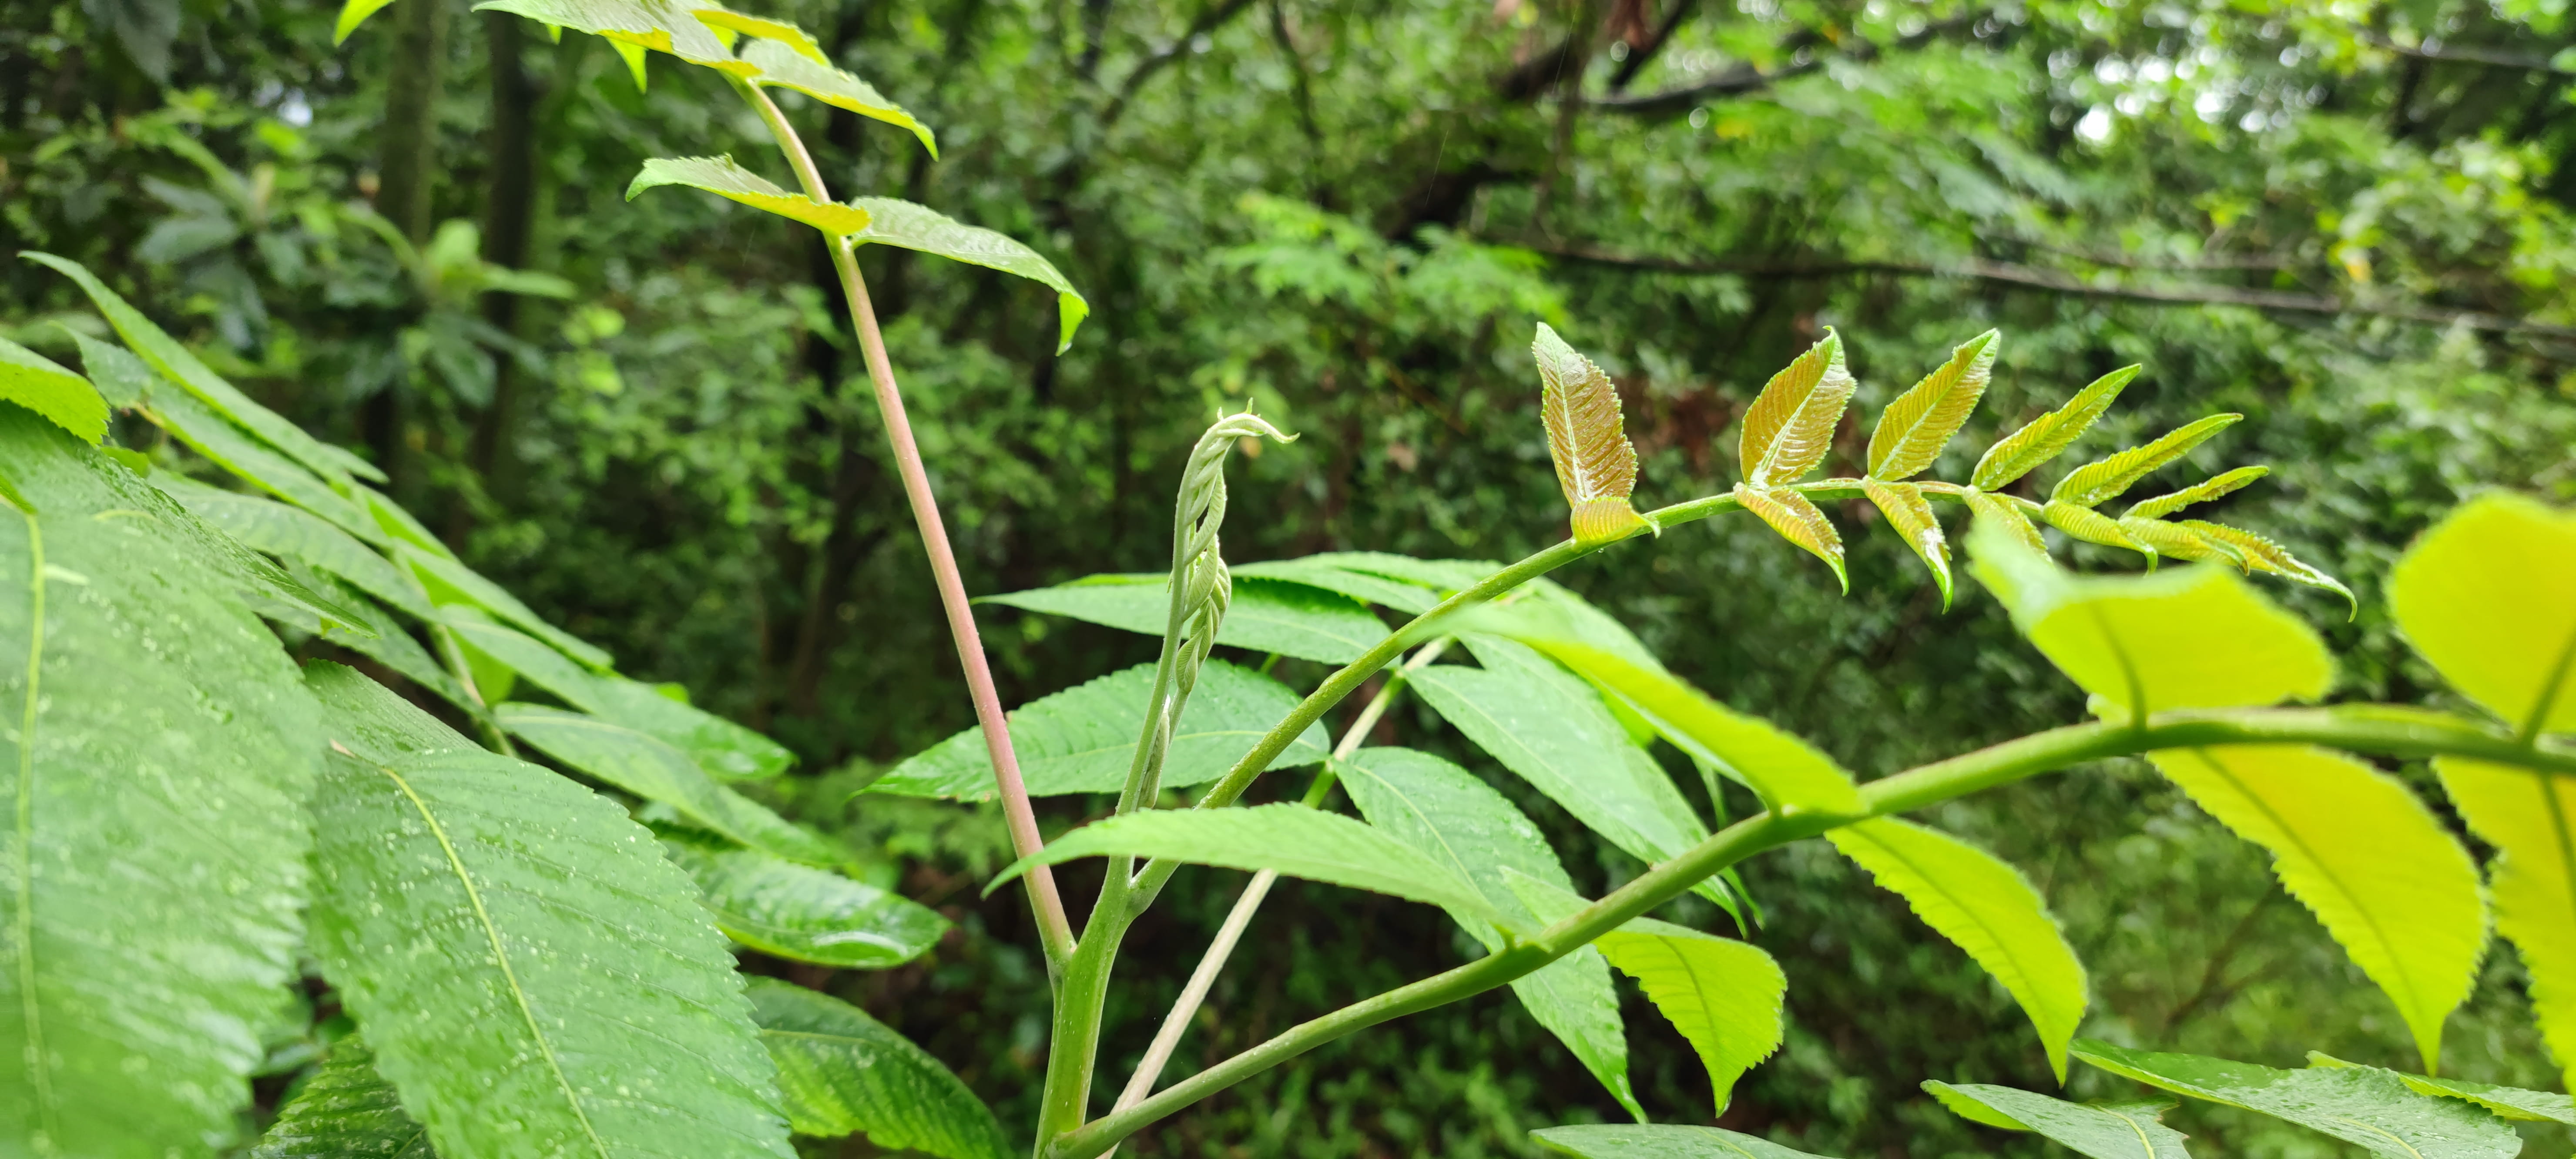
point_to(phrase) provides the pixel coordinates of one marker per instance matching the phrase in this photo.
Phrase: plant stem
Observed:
(2378, 729)
(1054, 931)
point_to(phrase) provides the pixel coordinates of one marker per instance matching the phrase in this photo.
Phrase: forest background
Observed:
(2350, 221)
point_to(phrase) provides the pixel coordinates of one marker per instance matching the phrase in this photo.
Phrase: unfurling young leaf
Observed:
(1985, 907)
(2528, 816)
(2042, 438)
(2093, 483)
(2485, 595)
(1596, 466)
(720, 176)
(2255, 553)
(1791, 424)
(66, 399)
(1914, 428)
(921, 228)
(841, 1072)
(1910, 514)
(2203, 492)
(2117, 1131)
(785, 66)
(2362, 853)
(2086, 524)
(2358, 1105)
(1798, 520)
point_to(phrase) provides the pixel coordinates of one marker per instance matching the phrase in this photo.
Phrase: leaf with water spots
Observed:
(841, 1072)
(2117, 1131)
(1660, 1142)
(345, 1111)
(2371, 1110)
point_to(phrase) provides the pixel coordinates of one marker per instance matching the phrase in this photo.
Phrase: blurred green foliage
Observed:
(2348, 221)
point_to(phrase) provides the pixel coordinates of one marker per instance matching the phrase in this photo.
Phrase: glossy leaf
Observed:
(1083, 739)
(2370, 1110)
(2484, 596)
(1798, 520)
(345, 1111)
(792, 911)
(2503, 1102)
(1986, 908)
(656, 771)
(2117, 1131)
(782, 65)
(795, 40)
(1292, 840)
(1596, 466)
(451, 582)
(2093, 483)
(719, 746)
(2194, 637)
(2087, 524)
(536, 1006)
(919, 227)
(1914, 428)
(124, 380)
(2530, 818)
(352, 14)
(1658, 1142)
(396, 650)
(1723, 995)
(251, 460)
(660, 25)
(720, 176)
(1266, 616)
(841, 1072)
(1791, 423)
(2008, 515)
(2045, 437)
(1456, 818)
(2255, 553)
(2202, 492)
(66, 399)
(1909, 514)
(2362, 853)
(291, 532)
(158, 747)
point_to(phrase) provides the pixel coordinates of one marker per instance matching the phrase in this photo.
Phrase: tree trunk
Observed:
(405, 177)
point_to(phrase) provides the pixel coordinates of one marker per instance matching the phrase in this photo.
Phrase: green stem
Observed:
(2372, 729)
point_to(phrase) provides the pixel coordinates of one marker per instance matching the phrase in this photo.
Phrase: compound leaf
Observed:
(1798, 520)
(841, 1072)
(2007, 514)
(656, 771)
(1349, 573)
(2160, 539)
(346, 1109)
(1291, 840)
(784, 66)
(2043, 438)
(233, 449)
(66, 399)
(2357, 1105)
(2093, 483)
(2484, 596)
(1268, 615)
(290, 532)
(720, 176)
(1791, 424)
(451, 582)
(2361, 852)
(2120, 1131)
(152, 834)
(1596, 466)
(2202, 492)
(2255, 553)
(2503, 1102)
(719, 746)
(660, 25)
(1988, 909)
(1660, 1142)
(2086, 524)
(526, 1003)
(1083, 739)
(919, 227)
(1914, 428)
(793, 911)
(1910, 514)
(1455, 817)
(2528, 816)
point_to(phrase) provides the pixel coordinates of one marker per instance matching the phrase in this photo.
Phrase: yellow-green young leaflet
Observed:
(1914, 428)
(1596, 466)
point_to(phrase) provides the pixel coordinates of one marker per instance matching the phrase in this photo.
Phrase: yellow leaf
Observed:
(1914, 428)
(2164, 505)
(2042, 438)
(1790, 426)
(1911, 515)
(1796, 518)
(720, 176)
(2489, 596)
(660, 25)
(2008, 515)
(782, 65)
(1595, 464)
(724, 19)
(2255, 553)
(2528, 817)
(2086, 524)
(2094, 482)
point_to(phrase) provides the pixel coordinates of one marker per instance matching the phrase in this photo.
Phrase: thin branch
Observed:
(2432, 49)
(1641, 55)
(1207, 22)
(1738, 80)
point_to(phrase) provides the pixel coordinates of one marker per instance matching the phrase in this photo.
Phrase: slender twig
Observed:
(1054, 931)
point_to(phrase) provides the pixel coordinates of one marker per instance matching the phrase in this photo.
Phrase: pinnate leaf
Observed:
(919, 227)
(842, 1072)
(66, 399)
(2043, 438)
(230, 447)
(2006, 514)
(2163, 540)
(656, 771)
(2503, 1102)
(786, 66)
(1914, 428)
(2485, 595)
(1988, 909)
(451, 582)
(793, 911)
(2202, 492)
(2086, 524)
(1910, 515)
(2093, 483)
(2530, 818)
(290, 532)
(2255, 553)
(1266, 616)
(1798, 520)
(720, 176)
(345, 1110)
(719, 746)
(1660, 1142)
(1596, 466)
(1791, 424)
(2371, 1110)
(2121, 1131)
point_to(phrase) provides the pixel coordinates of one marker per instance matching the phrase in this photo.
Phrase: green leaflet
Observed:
(174, 361)
(1083, 739)
(1643, 1142)
(66, 399)
(451, 582)
(656, 771)
(1267, 615)
(1596, 466)
(661, 25)
(2118, 1131)
(1723, 995)
(2362, 853)
(1791, 424)
(395, 649)
(2043, 438)
(1988, 909)
(810, 915)
(285, 531)
(919, 227)
(2369, 1109)
(809, 72)
(2530, 818)
(1909, 514)
(2193, 637)
(2503, 1102)
(532, 1006)
(1350, 573)
(795, 40)
(719, 746)
(1292, 840)
(2255, 553)
(155, 748)
(2484, 596)
(1914, 428)
(1799, 521)
(1447, 812)
(352, 14)
(720, 176)
(2093, 483)
(345, 1110)
(2004, 512)
(233, 449)
(840, 1071)
(2202, 492)
(2162, 540)
(2087, 524)
(124, 380)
